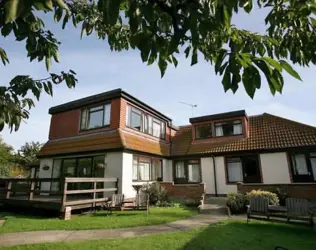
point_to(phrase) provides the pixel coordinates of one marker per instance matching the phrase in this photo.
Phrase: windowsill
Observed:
(188, 184)
(145, 181)
(162, 139)
(251, 183)
(223, 136)
(92, 129)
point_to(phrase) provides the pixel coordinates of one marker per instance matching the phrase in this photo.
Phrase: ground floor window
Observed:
(146, 169)
(187, 171)
(303, 167)
(243, 168)
(87, 166)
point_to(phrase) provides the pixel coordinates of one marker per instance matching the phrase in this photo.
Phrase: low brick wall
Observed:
(293, 190)
(193, 192)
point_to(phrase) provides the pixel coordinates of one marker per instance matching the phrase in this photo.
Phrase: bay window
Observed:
(243, 168)
(303, 167)
(146, 169)
(95, 117)
(187, 171)
(145, 123)
(228, 128)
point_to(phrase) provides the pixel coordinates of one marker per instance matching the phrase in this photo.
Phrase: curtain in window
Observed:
(237, 129)
(107, 114)
(234, 171)
(219, 131)
(180, 172)
(194, 173)
(313, 162)
(134, 173)
(143, 169)
(300, 165)
(84, 119)
(156, 170)
(55, 186)
(156, 129)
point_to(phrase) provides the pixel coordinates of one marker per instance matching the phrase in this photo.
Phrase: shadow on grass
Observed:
(255, 236)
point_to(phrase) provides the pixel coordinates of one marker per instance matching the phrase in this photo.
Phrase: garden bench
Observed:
(299, 209)
(258, 206)
(116, 203)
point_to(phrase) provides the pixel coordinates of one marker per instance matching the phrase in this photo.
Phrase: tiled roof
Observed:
(118, 139)
(86, 143)
(144, 144)
(265, 132)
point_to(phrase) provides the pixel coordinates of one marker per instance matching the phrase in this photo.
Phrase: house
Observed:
(113, 134)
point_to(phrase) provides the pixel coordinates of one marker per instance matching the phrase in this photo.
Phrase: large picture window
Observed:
(187, 171)
(145, 123)
(146, 169)
(89, 166)
(244, 168)
(303, 167)
(95, 117)
(229, 128)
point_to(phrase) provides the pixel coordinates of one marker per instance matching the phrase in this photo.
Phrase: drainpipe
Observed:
(215, 181)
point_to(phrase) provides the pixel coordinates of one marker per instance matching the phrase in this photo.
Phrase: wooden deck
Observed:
(27, 193)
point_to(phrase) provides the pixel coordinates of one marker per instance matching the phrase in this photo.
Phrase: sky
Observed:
(99, 70)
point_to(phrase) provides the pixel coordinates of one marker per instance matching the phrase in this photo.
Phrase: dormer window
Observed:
(95, 117)
(229, 128)
(203, 131)
(145, 123)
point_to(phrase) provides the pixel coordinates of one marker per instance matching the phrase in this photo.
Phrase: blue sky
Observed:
(101, 70)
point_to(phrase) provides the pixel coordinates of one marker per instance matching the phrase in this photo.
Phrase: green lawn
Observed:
(227, 235)
(20, 223)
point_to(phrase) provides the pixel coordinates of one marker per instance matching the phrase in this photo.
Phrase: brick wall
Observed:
(294, 190)
(185, 191)
(66, 124)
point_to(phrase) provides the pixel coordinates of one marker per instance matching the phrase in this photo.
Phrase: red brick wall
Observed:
(66, 124)
(293, 190)
(185, 191)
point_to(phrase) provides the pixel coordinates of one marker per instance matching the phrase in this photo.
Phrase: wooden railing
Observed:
(94, 190)
(29, 187)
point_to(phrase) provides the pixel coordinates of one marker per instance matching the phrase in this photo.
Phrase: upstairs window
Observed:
(304, 167)
(203, 131)
(95, 117)
(229, 128)
(145, 123)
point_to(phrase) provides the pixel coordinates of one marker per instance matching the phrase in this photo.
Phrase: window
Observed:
(228, 128)
(187, 171)
(203, 131)
(304, 167)
(95, 117)
(245, 169)
(146, 169)
(145, 123)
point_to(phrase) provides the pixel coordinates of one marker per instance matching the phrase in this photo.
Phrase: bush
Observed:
(158, 195)
(236, 202)
(282, 195)
(273, 198)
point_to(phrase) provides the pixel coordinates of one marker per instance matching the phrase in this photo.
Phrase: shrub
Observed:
(282, 195)
(158, 195)
(273, 198)
(236, 202)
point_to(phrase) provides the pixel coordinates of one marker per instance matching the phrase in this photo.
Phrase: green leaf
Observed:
(12, 10)
(187, 51)
(56, 56)
(234, 84)
(50, 87)
(248, 81)
(226, 80)
(4, 57)
(162, 63)
(194, 58)
(48, 62)
(273, 63)
(62, 4)
(58, 14)
(290, 70)
(227, 17)
(219, 60)
(48, 4)
(175, 61)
